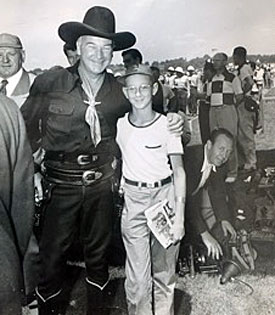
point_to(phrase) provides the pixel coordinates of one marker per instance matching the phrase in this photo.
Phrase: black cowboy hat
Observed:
(98, 21)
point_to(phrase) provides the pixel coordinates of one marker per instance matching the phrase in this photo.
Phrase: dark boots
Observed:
(53, 306)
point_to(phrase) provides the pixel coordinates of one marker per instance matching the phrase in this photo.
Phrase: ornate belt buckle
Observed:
(83, 159)
(90, 177)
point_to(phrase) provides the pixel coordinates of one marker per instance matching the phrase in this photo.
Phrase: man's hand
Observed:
(213, 247)
(175, 123)
(38, 196)
(178, 232)
(228, 228)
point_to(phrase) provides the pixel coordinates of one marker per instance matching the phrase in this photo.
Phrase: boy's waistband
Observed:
(156, 184)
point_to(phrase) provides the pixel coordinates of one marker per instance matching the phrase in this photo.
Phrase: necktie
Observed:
(91, 116)
(3, 88)
(205, 174)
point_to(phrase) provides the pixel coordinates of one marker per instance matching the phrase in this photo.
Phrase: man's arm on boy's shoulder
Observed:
(177, 123)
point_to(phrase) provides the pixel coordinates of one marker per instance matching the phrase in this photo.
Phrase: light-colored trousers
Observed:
(246, 139)
(150, 269)
(226, 117)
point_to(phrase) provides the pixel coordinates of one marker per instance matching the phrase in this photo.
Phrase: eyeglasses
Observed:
(143, 89)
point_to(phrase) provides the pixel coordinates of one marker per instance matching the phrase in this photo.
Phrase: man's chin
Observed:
(219, 163)
(6, 73)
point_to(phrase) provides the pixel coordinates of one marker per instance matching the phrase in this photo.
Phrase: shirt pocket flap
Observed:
(60, 109)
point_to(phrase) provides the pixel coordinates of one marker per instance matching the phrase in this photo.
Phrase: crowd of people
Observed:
(70, 135)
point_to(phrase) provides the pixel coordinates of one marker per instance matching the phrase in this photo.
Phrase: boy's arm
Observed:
(180, 194)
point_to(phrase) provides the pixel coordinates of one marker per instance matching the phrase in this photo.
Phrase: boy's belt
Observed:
(78, 177)
(156, 184)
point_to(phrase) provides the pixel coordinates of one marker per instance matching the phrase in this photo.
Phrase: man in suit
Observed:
(16, 205)
(15, 81)
(206, 190)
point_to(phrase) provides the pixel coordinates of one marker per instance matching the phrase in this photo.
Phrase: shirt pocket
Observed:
(153, 146)
(60, 116)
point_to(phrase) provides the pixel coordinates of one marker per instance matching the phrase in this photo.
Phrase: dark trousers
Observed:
(71, 211)
(204, 121)
(181, 95)
(192, 102)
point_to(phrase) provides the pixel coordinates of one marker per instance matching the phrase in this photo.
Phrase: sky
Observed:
(165, 29)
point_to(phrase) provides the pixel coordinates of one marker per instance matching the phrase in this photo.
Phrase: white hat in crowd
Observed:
(190, 68)
(179, 69)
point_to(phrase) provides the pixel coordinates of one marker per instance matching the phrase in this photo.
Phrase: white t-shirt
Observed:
(245, 72)
(182, 82)
(145, 149)
(193, 80)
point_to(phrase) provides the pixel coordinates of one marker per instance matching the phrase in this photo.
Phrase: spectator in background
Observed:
(15, 80)
(131, 57)
(245, 137)
(165, 96)
(225, 93)
(181, 88)
(259, 75)
(267, 77)
(16, 206)
(170, 77)
(71, 53)
(204, 106)
(193, 84)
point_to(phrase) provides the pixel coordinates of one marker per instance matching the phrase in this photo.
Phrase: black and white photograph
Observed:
(137, 157)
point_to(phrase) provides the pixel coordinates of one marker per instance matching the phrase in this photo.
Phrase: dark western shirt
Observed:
(55, 110)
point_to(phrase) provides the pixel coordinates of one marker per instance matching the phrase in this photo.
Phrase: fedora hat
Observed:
(98, 21)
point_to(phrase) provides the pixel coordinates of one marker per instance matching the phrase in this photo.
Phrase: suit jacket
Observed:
(21, 91)
(193, 161)
(16, 200)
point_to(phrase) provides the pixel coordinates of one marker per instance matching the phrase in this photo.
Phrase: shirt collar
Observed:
(105, 87)
(13, 81)
(206, 165)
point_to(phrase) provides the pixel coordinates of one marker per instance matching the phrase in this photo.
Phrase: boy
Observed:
(146, 148)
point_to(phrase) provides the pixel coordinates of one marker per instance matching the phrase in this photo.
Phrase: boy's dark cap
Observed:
(136, 69)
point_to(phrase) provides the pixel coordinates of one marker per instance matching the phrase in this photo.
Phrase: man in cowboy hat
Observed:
(72, 113)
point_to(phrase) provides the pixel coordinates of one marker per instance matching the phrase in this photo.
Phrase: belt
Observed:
(221, 106)
(77, 177)
(156, 184)
(76, 157)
